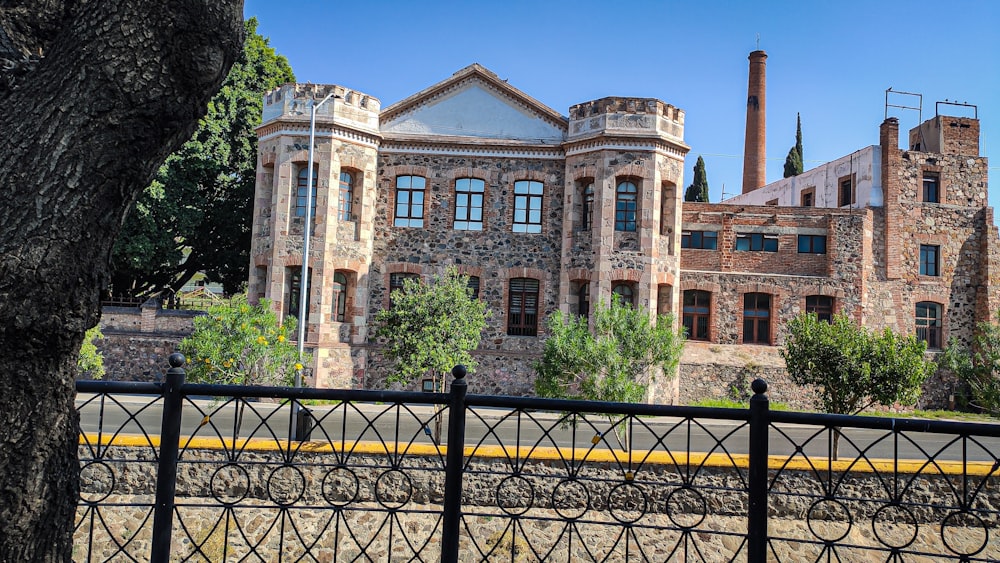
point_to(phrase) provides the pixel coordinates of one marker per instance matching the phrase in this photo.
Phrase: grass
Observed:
(721, 403)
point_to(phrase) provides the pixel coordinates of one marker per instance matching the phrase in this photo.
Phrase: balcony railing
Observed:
(186, 472)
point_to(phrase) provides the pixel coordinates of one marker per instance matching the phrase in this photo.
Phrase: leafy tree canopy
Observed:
(979, 368)
(196, 214)
(616, 362)
(851, 367)
(431, 327)
(698, 190)
(90, 364)
(241, 344)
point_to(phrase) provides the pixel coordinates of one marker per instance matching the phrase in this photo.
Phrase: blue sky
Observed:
(831, 61)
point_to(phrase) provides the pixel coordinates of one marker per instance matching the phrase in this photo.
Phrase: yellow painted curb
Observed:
(637, 457)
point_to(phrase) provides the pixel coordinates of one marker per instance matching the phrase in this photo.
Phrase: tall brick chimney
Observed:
(754, 153)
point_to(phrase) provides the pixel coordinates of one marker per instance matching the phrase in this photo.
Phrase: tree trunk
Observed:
(118, 86)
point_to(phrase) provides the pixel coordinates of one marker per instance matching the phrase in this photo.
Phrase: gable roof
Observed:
(474, 102)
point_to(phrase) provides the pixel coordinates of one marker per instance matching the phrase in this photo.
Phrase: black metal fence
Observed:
(185, 472)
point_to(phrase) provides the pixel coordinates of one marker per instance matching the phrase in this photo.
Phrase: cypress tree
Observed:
(698, 190)
(794, 162)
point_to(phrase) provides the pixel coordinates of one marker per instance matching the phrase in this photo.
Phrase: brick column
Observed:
(754, 147)
(889, 142)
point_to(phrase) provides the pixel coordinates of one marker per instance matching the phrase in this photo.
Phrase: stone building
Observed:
(547, 212)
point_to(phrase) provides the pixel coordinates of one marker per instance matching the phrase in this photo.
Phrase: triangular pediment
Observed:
(474, 103)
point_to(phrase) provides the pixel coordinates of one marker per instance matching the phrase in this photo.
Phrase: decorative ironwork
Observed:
(523, 479)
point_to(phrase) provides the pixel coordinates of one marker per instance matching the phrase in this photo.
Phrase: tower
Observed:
(754, 153)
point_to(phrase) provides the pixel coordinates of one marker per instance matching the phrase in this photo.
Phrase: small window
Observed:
(410, 201)
(929, 260)
(528, 206)
(812, 244)
(302, 193)
(340, 297)
(772, 202)
(469, 204)
(705, 240)
(583, 299)
(522, 316)
(932, 187)
(587, 215)
(473, 286)
(625, 293)
(756, 318)
(346, 195)
(294, 274)
(821, 305)
(808, 197)
(626, 207)
(846, 191)
(757, 242)
(397, 282)
(928, 319)
(696, 313)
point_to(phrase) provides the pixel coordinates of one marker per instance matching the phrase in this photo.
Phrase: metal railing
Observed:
(186, 472)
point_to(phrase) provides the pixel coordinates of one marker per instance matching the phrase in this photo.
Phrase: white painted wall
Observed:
(865, 163)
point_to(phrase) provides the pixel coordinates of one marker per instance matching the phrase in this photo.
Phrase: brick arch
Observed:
(711, 287)
(824, 290)
(527, 174)
(634, 171)
(575, 274)
(659, 278)
(484, 174)
(470, 270)
(924, 295)
(587, 172)
(626, 274)
(390, 172)
(300, 157)
(390, 268)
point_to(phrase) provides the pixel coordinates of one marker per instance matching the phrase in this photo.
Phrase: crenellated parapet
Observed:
(626, 117)
(291, 102)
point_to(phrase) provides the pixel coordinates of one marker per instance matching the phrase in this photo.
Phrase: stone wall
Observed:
(654, 503)
(137, 341)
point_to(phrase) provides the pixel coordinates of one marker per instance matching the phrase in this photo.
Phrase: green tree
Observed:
(793, 162)
(853, 368)
(90, 364)
(698, 190)
(196, 214)
(241, 344)
(431, 327)
(979, 367)
(617, 361)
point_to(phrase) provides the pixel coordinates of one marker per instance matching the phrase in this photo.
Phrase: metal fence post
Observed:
(166, 471)
(757, 512)
(454, 466)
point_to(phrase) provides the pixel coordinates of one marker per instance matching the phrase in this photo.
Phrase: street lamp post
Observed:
(304, 276)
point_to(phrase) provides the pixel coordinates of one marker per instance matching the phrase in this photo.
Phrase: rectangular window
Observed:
(932, 187)
(346, 195)
(821, 305)
(757, 242)
(410, 201)
(302, 193)
(812, 244)
(808, 197)
(696, 313)
(756, 318)
(528, 206)
(469, 204)
(473, 286)
(705, 240)
(846, 191)
(929, 260)
(522, 317)
(397, 282)
(928, 320)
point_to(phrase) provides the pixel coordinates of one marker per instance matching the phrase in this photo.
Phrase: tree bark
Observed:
(108, 89)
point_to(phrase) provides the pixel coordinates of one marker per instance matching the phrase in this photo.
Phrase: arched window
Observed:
(522, 314)
(583, 298)
(302, 193)
(294, 276)
(473, 286)
(469, 204)
(928, 317)
(397, 282)
(697, 313)
(587, 215)
(625, 293)
(626, 206)
(822, 305)
(756, 318)
(346, 195)
(339, 296)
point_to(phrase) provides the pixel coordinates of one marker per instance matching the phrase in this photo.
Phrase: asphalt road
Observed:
(141, 415)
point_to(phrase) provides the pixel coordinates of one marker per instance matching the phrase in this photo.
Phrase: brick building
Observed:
(549, 213)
